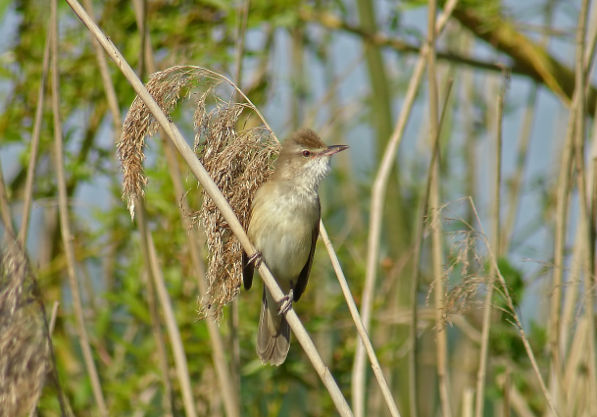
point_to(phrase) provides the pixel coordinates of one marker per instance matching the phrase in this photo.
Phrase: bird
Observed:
(284, 227)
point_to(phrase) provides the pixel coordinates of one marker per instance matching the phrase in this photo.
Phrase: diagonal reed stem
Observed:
(64, 220)
(354, 312)
(211, 188)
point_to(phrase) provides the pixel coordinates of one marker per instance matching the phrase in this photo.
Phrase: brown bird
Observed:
(284, 227)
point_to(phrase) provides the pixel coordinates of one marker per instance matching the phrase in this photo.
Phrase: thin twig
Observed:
(65, 223)
(481, 373)
(212, 190)
(354, 312)
(377, 198)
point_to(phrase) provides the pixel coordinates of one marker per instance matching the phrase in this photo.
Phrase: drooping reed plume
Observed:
(237, 156)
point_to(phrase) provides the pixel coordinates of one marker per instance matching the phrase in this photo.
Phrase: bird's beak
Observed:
(333, 149)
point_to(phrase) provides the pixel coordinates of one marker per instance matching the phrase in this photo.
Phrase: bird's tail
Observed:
(273, 338)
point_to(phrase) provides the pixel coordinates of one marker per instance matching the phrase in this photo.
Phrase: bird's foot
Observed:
(255, 259)
(286, 302)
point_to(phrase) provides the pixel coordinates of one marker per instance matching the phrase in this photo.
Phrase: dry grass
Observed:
(237, 157)
(239, 161)
(25, 353)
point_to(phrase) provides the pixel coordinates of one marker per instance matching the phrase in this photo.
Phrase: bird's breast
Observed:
(281, 228)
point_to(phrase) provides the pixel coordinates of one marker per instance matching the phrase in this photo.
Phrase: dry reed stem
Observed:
(65, 222)
(28, 192)
(225, 379)
(512, 311)
(514, 193)
(436, 232)
(354, 312)
(5, 207)
(201, 174)
(563, 194)
(230, 397)
(25, 357)
(150, 292)
(587, 228)
(481, 374)
(377, 198)
(241, 29)
(418, 245)
(106, 78)
(180, 360)
(570, 299)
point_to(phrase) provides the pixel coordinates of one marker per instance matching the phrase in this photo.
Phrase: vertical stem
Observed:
(585, 214)
(64, 221)
(232, 398)
(180, 359)
(230, 395)
(436, 229)
(226, 380)
(487, 307)
(373, 242)
(5, 207)
(154, 316)
(34, 145)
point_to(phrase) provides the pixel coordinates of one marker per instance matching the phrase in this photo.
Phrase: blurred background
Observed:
(516, 137)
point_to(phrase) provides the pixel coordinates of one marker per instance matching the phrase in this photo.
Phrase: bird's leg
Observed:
(255, 259)
(286, 302)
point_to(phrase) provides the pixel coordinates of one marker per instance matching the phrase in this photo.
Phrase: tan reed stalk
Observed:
(180, 360)
(39, 109)
(213, 191)
(150, 292)
(230, 396)
(241, 28)
(467, 402)
(106, 79)
(225, 379)
(65, 222)
(514, 193)
(418, 246)
(5, 207)
(512, 311)
(487, 305)
(586, 227)
(441, 339)
(377, 199)
(354, 312)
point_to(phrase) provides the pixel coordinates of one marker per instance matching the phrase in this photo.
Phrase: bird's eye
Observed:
(306, 153)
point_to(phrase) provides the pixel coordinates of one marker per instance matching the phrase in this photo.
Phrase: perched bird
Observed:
(284, 227)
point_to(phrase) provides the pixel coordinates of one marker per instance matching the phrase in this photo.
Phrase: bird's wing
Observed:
(303, 277)
(248, 269)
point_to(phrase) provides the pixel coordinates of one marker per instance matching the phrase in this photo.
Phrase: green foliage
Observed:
(111, 266)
